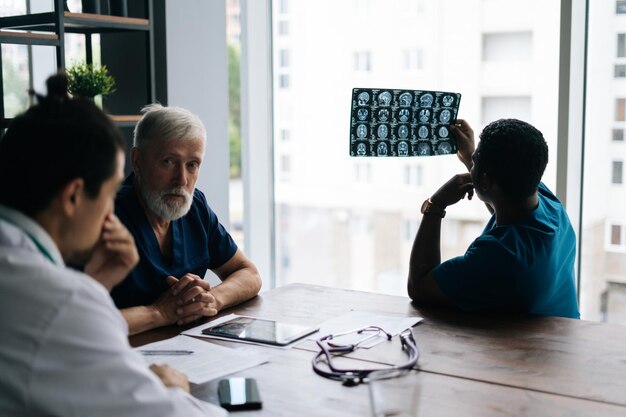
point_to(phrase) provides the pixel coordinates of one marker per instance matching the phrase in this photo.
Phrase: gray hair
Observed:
(159, 123)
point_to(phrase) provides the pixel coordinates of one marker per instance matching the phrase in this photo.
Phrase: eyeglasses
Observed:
(351, 377)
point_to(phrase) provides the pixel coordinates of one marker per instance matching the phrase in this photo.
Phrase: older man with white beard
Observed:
(177, 234)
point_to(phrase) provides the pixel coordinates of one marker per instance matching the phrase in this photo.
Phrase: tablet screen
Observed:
(259, 330)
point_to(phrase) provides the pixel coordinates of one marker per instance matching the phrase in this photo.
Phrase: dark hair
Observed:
(52, 143)
(514, 154)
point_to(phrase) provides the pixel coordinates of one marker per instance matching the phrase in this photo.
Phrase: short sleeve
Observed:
(222, 247)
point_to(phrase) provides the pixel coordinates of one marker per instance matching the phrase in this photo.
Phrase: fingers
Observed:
(117, 240)
(182, 283)
(171, 377)
(195, 293)
(454, 190)
(199, 307)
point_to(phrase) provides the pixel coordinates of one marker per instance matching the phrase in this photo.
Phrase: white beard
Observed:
(167, 210)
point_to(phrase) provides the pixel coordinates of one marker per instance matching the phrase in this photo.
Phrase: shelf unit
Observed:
(49, 29)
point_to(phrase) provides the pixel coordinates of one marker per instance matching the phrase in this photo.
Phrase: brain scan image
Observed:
(382, 149)
(383, 131)
(388, 122)
(444, 116)
(426, 100)
(444, 148)
(404, 115)
(403, 149)
(447, 100)
(403, 131)
(384, 99)
(423, 149)
(363, 98)
(405, 99)
(361, 131)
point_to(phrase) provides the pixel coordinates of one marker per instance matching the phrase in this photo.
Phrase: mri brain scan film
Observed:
(390, 122)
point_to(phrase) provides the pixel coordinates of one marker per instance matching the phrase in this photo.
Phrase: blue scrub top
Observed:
(199, 242)
(525, 267)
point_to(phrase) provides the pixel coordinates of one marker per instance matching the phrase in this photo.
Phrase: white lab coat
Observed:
(63, 344)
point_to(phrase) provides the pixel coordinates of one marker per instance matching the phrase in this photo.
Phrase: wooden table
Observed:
(470, 365)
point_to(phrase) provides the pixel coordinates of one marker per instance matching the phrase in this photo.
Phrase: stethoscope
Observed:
(352, 377)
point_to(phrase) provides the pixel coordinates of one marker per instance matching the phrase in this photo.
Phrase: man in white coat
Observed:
(64, 348)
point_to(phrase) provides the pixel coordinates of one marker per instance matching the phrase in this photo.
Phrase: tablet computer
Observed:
(260, 331)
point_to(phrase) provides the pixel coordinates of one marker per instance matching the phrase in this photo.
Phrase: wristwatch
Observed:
(428, 207)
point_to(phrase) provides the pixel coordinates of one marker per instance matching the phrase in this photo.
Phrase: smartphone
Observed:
(239, 394)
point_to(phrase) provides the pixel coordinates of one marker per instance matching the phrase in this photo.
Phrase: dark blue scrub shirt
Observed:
(199, 242)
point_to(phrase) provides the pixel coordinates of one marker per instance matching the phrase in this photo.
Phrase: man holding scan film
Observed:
(523, 261)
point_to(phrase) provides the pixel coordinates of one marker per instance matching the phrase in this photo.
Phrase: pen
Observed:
(166, 352)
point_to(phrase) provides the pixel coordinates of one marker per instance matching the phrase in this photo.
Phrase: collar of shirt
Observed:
(35, 232)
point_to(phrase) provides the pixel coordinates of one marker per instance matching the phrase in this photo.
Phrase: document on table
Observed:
(355, 320)
(201, 361)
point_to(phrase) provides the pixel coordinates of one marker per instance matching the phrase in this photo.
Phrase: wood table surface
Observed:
(470, 364)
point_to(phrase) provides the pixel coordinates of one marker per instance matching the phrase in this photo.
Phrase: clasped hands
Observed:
(188, 298)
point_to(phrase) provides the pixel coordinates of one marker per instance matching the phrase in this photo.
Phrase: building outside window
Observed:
(621, 45)
(328, 190)
(363, 61)
(617, 174)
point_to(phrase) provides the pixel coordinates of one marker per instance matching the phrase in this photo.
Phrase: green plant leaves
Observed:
(87, 81)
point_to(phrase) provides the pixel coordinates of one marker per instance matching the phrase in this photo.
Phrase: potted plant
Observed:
(89, 81)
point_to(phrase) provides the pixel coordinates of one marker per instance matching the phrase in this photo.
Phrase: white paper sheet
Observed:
(207, 362)
(355, 320)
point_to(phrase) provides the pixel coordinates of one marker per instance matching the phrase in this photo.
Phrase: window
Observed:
(615, 236)
(494, 108)
(363, 173)
(507, 47)
(413, 175)
(412, 8)
(285, 135)
(620, 109)
(621, 45)
(362, 61)
(620, 71)
(283, 58)
(602, 250)
(362, 8)
(285, 166)
(283, 81)
(410, 230)
(283, 6)
(617, 175)
(283, 28)
(413, 59)
(380, 197)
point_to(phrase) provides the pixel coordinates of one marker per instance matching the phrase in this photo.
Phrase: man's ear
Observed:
(71, 195)
(134, 159)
